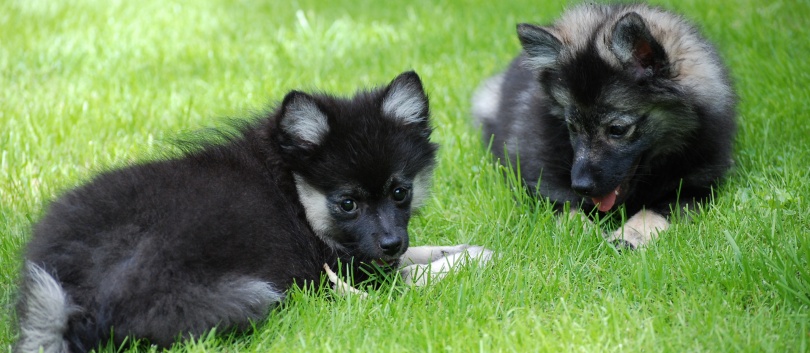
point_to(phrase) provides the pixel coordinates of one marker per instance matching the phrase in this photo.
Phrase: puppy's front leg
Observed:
(424, 255)
(639, 230)
(422, 264)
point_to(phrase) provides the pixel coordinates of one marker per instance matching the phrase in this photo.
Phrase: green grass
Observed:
(87, 85)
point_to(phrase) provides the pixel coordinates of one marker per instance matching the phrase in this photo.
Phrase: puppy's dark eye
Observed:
(617, 131)
(573, 128)
(348, 205)
(399, 194)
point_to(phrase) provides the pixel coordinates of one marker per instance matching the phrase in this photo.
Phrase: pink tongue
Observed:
(605, 203)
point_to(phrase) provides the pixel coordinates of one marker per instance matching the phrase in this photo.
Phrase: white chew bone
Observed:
(339, 286)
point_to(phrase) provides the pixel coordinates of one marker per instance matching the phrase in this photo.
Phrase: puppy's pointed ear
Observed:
(540, 45)
(405, 100)
(303, 124)
(637, 49)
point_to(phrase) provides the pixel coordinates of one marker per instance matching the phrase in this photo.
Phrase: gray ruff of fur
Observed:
(48, 312)
(520, 107)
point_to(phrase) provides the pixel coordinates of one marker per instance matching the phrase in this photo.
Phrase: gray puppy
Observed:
(614, 104)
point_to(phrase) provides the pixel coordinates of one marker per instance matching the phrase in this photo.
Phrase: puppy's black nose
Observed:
(583, 185)
(390, 244)
(583, 179)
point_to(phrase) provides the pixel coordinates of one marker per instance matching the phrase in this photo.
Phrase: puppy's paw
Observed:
(421, 274)
(427, 254)
(622, 245)
(412, 275)
(639, 230)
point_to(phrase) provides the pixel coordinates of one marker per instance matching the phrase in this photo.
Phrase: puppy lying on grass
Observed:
(215, 237)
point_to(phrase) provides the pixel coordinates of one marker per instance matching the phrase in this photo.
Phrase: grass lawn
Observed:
(87, 85)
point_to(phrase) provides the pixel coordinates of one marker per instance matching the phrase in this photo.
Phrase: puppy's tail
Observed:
(44, 310)
(486, 100)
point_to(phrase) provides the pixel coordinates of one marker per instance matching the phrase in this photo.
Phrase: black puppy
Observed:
(214, 238)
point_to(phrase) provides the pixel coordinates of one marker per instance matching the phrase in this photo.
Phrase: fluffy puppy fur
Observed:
(214, 238)
(614, 104)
